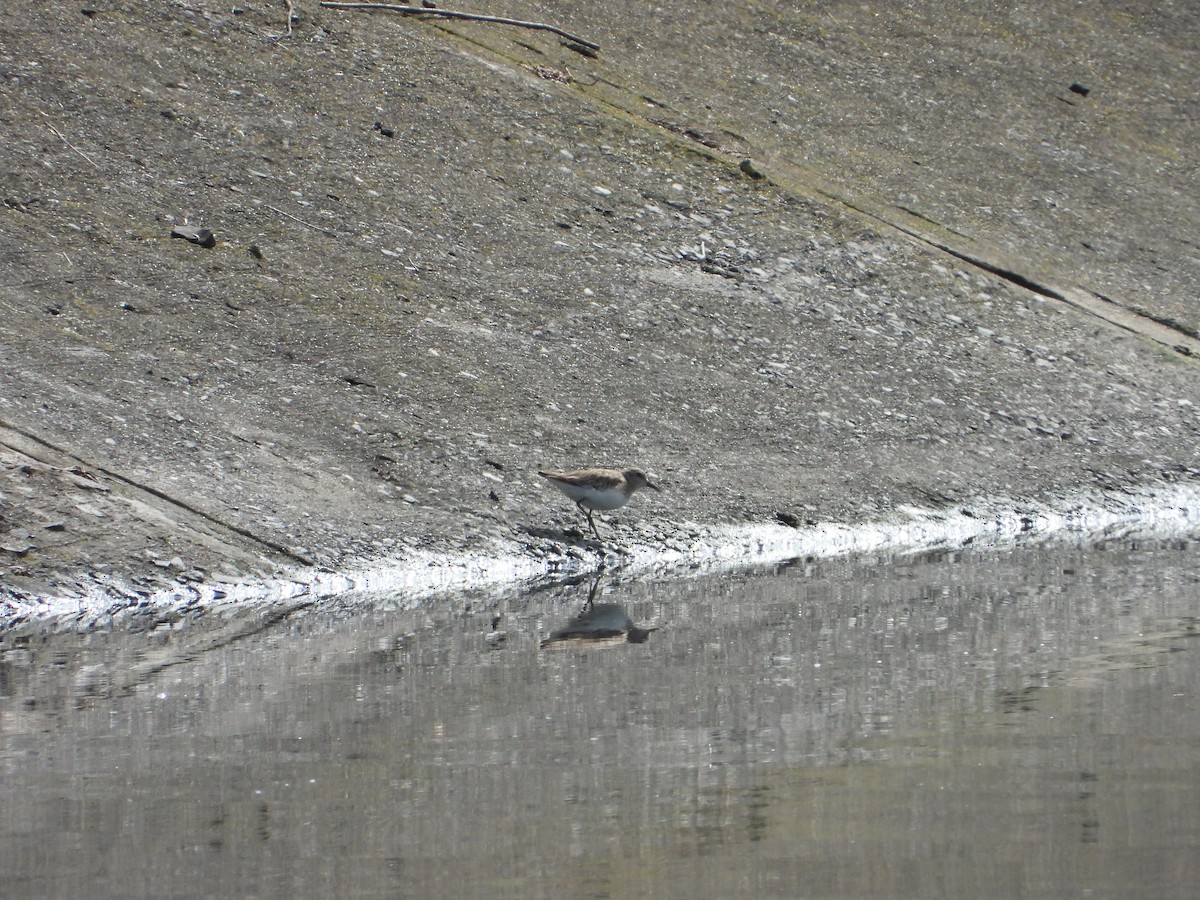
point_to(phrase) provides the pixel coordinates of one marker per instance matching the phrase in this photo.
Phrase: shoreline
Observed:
(433, 270)
(1153, 512)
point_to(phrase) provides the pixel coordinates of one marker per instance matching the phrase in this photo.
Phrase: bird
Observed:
(603, 489)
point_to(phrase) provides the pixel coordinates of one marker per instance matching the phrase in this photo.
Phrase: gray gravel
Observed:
(438, 267)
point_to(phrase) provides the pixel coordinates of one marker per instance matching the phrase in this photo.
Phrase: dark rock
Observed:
(747, 166)
(196, 235)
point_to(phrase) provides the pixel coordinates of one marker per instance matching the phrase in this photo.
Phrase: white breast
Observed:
(609, 498)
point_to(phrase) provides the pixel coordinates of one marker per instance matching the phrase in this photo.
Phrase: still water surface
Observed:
(966, 724)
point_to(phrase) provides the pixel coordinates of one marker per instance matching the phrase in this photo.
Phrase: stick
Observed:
(324, 231)
(72, 146)
(470, 17)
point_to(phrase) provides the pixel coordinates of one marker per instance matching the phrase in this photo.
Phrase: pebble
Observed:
(747, 166)
(204, 237)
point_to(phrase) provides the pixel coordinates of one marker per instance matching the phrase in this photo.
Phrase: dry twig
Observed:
(324, 231)
(452, 14)
(72, 146)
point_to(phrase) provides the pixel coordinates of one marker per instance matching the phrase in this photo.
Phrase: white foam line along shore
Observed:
(1155, 512)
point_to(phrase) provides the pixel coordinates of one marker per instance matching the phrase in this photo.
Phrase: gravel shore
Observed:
(959, 269)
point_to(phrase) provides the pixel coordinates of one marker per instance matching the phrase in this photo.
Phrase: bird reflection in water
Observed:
(597, 625)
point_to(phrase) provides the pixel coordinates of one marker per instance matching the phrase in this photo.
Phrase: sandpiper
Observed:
(593, 489)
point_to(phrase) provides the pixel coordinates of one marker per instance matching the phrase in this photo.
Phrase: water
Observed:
(965, 724)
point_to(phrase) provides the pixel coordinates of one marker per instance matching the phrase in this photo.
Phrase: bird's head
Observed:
(637, 478)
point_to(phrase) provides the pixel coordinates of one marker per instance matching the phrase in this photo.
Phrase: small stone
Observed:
(196, 235)
(748, 167)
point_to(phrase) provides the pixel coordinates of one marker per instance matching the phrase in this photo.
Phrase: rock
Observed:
(196, 235)
(748, 167)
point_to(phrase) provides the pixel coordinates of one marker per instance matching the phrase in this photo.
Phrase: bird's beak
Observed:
(655, 486)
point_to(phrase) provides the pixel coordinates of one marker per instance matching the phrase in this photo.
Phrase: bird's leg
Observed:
(588, 513)
(591, 600)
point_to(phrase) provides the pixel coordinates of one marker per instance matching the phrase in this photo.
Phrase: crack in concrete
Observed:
(1166, 332)
(141, 488)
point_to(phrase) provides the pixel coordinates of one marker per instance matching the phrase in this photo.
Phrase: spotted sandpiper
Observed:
(602, 489)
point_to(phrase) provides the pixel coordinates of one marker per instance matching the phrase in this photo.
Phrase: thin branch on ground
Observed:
(90, 161)
(324, 231)
(452, 14)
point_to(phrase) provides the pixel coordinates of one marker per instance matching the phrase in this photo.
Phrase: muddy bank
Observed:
(446, 255)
